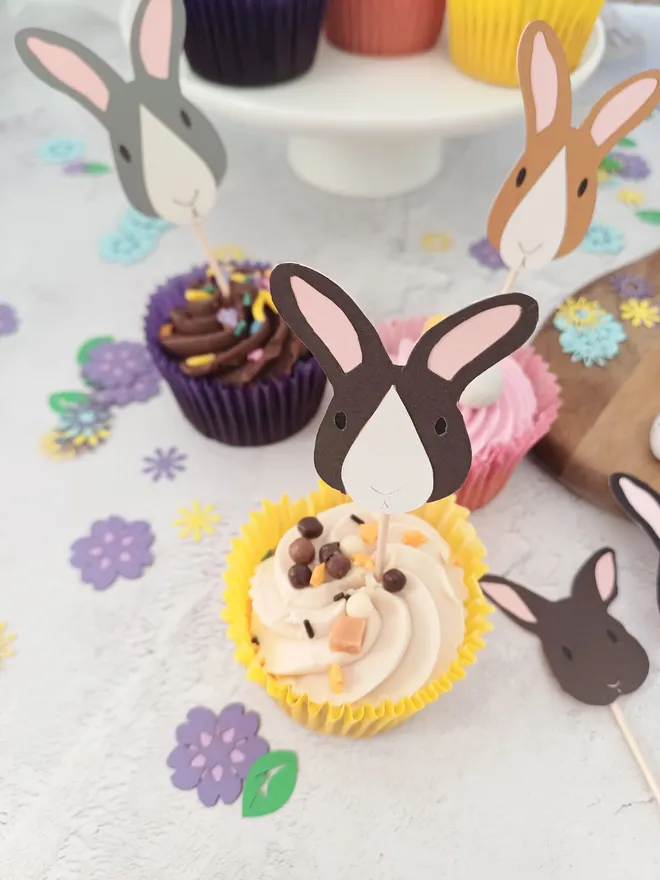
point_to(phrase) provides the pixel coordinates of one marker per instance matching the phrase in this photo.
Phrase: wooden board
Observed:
(607, 412)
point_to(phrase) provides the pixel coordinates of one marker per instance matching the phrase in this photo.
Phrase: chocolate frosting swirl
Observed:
(228, 340)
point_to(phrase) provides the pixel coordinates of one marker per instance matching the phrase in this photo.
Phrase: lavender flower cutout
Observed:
(632, 167)
(114, 548)
(631, 286)
(164, 464)
(215, 752)
(485, 254)
(116, 364)
(8, 320)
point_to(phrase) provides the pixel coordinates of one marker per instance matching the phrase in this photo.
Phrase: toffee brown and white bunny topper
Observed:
(393, 437)
(169, 158)
(545, 206)
(642, 504)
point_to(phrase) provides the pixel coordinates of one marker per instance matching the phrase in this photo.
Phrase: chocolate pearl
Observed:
(338, 566)
(394, 580)
(302, 550)
(328, 550)
(299, 576)
(310, 527)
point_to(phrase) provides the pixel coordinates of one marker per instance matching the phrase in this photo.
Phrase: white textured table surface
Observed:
(503, 778)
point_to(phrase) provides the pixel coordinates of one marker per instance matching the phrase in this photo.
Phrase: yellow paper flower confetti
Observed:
(602, 176)
(228, 252)
(50, 448)
(580, 312)
(6, 641)
(436, 242)
(631, 197)
(640, 313)
(197, 521)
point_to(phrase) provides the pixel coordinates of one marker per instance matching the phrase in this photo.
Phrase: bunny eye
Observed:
(340, 420)
(125, 153)
(441, 427)
(520, 178)
(566, 651)
(582, 188)
(612, 636)
(185, 119)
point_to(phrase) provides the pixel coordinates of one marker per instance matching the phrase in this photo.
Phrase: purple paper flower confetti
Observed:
(8, 320)
(485, 254)
(633, 167)
(215, 752)
(114, 548)
(631, 286)
(117, 364)
(164, 464)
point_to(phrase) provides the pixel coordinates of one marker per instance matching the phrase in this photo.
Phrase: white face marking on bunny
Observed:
(654, 438)
(178, 182)
(387, 467)
(536, 228)
(485, 389)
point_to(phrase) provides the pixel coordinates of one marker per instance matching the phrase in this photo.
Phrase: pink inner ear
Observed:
(329, 323)
(545, 83)
(471, 338)
(72, 71)
(156, 38)
(620, 108)
(605, 573)
(642, 502)
(508, 600)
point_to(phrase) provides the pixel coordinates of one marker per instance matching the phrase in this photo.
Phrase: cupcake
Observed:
(506, 410)
(385, 27)
(238, 373)
(484, 34)
(340, 652)
(252, 42)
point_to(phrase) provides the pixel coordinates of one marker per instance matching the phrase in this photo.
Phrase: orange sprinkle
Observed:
(414, 538)
(318, 575)
(166, 331)
(363, 561)
(336, 677)
(454, 559)
(369, 532)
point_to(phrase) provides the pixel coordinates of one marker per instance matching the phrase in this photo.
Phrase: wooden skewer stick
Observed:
(511, 278)
(223, 287)
(381, 546)
(634, 747)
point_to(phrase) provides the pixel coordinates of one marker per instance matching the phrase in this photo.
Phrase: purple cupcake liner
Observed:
(253, 42)
(265, 412)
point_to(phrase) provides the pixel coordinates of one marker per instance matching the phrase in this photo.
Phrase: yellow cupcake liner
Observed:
(263, 532)
(484, 34)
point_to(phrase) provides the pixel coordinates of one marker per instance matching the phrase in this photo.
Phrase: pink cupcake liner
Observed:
(492, 469)
(385, 27)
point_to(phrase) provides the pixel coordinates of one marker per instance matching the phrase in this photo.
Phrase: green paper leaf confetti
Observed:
(611, 165)
(61, 400)
(83, 353)
(270, 783)
(652, 217)
(97, 168)
(627, 142)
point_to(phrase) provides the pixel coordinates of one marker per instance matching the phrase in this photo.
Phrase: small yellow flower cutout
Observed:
(50, 448)
(631, 197)
(6, 641)
(197, 521)
(640, 313)
(580, 312)
(603, 176)
(436, 242)
(228, 252)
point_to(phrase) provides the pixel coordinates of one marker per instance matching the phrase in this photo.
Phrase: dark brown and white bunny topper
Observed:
(393, 437)
(590, 653)
(169, 158)
(546, 204)
(642, 504)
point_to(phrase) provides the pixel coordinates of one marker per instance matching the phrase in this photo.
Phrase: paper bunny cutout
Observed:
(590, 653)
(169, 158)
(545, 206)
(642, 504)
(393, 437)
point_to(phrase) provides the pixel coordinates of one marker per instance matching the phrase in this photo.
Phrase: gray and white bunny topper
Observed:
(169, 158)
(393, 437)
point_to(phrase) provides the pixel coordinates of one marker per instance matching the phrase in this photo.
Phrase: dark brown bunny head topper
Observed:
(642, 504)
(393, 437)
(591, 654)
(546, 204)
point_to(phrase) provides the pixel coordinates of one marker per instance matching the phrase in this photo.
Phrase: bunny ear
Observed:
(640, 502)
(327, 320)
(467, 343)
(597, 579)
(518, 603)
(69, 67)
(159, 29)
(621, 109)
(544, 79)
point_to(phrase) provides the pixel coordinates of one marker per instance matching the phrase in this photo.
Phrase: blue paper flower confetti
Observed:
(593, 345)
(126, 247)
(164, 464)
(58, 151)
(601, 239)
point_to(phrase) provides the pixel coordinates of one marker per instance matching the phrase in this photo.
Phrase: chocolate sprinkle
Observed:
(356, 519)
(267, 555)
(255, 640)
(308, 629)
(338, 597)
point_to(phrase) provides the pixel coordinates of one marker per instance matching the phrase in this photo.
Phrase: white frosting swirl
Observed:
(411, 637)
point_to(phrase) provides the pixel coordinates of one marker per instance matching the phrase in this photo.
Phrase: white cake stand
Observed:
(371, 127)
